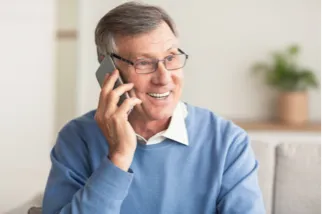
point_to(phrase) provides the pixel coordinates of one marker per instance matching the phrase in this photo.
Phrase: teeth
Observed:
(159, 95)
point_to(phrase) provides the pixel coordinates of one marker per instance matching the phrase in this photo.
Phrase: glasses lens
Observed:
(145, 65)
(172, 62)
(177, 61)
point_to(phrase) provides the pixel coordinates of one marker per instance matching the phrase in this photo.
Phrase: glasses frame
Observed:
(113, 55)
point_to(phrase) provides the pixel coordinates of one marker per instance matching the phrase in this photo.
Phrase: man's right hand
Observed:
(113, 121)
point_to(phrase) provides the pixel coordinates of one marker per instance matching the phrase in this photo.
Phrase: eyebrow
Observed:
(146, 54)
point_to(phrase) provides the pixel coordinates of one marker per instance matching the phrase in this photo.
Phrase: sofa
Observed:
(289, 177)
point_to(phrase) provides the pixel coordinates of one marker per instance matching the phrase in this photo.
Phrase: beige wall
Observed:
(66, 63)
(38, 94)
(27, 101)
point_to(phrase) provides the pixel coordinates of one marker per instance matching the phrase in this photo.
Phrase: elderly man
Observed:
(166, 156)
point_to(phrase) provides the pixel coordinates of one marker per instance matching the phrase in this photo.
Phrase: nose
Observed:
(161, 76)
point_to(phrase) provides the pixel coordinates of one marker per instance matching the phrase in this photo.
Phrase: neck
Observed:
(145, 127)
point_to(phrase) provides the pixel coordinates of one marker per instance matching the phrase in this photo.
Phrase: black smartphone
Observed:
(107, 66)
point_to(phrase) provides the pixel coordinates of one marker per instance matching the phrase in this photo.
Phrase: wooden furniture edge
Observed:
(66, 34)
(277, 126)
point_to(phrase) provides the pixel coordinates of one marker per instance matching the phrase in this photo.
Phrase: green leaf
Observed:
(293, 49)
(284, 74)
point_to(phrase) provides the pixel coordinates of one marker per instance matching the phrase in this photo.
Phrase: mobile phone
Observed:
(107, 66)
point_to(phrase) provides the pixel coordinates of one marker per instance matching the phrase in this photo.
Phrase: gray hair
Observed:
(128, 19)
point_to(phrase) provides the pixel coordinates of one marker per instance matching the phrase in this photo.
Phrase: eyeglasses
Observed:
(148, 65)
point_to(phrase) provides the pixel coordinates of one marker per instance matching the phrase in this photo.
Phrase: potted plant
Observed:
(292, 83)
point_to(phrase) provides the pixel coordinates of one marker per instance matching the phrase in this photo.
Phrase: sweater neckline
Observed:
(168, 142)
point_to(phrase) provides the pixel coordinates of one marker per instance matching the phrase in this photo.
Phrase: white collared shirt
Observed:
(176, 131)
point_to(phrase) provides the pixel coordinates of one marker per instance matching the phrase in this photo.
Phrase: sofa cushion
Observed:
(298, 179)
(265, 155)
(35, 210)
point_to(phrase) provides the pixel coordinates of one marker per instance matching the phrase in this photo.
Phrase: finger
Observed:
(105, 79)
(107, 87)
(114, 97)
(110, 81)
(123, 88)
(127, 105)
(104, 83)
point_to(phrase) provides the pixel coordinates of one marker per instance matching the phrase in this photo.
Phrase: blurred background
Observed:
(48, 64)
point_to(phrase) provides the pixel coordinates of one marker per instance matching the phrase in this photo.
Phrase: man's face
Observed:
(157, 44)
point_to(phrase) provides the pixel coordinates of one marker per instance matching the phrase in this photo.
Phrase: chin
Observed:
(159, 114)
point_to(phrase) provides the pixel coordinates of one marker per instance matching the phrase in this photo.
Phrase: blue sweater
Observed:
(216, 173)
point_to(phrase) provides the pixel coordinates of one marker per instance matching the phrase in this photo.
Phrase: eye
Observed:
(170, 58)
(143, 63)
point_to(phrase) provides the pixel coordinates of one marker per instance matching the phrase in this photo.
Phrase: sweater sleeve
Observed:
(71, 186)
(240, 192)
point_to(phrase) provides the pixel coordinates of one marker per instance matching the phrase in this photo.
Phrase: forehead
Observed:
(155, 42)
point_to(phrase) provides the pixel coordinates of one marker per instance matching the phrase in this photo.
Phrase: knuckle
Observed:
(114, 119)
(128, 101)
(113, 94)
(104, 92)
(107, 117)
(98, 119)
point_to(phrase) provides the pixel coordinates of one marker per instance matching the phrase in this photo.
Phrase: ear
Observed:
(101, 57)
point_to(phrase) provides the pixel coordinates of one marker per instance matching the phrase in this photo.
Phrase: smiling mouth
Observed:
(159, 96)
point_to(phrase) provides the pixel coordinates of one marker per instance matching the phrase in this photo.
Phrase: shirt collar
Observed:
(176, 130)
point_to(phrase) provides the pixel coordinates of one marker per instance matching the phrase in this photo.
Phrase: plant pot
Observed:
(293, 107)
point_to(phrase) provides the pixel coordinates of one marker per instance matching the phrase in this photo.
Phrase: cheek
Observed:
(140, 83)
(177, 79)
